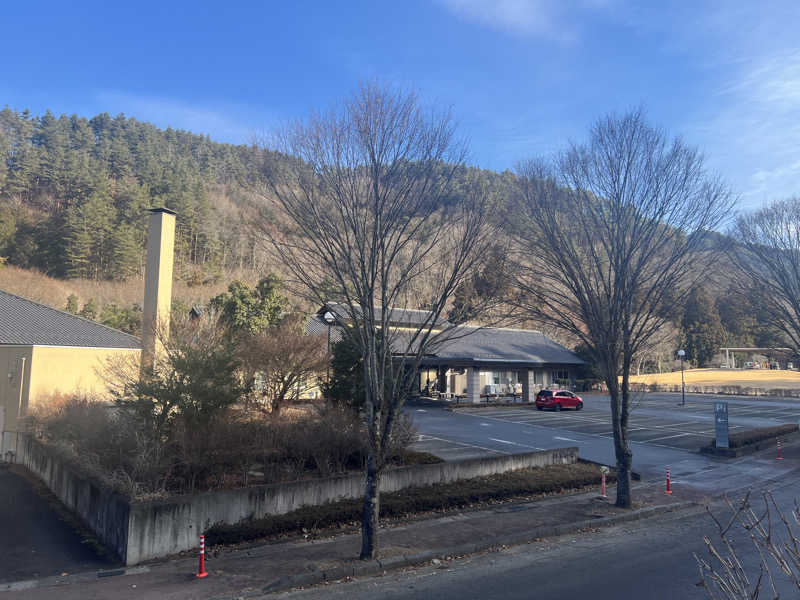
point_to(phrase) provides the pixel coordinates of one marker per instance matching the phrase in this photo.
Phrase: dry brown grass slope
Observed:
(54, 292)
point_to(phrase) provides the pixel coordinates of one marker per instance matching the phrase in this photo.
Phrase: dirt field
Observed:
(746, 378)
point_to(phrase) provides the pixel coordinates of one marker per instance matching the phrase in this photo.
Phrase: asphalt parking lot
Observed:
(657, 421)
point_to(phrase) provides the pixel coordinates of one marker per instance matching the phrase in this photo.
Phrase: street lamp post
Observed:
(681, 353)
(329, 319)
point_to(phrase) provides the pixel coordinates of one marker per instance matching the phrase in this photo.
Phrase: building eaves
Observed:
(396, 316)
(24, 322)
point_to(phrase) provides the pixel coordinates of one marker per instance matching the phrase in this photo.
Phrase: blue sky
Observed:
(522, 76)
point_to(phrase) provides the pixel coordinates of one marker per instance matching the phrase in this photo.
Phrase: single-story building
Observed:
(499, 361)
(477, 361)
(46, 352)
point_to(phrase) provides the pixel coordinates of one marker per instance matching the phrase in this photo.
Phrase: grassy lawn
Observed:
(748, 378)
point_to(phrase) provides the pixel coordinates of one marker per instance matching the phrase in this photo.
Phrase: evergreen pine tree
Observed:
(127, 253)
(8, 227)
(701, 327)
(89, 310)
(72, 304)
(5, 153)
(78, 253)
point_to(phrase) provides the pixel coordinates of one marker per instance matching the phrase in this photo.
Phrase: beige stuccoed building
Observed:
(47, 353)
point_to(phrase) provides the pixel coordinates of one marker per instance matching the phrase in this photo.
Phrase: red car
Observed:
(558, 399)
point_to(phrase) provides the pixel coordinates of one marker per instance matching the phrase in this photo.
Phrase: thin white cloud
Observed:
(748, 56)
(219, 123)
(752, 126)
(548, 19)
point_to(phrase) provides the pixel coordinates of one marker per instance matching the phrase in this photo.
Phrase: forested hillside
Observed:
(73, 199)
(73, 194)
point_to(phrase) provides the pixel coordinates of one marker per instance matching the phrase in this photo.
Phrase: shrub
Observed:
(282, 362)
(116, 443)
(101, 438)
(521, 483)
(753, 436)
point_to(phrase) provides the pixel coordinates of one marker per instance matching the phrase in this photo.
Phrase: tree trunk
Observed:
(369, 519)
(622, 448)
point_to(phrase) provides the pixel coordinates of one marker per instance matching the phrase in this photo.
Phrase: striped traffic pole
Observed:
(201, 569)
(603, 471)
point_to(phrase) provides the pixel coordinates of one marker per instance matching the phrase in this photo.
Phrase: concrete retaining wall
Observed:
(140, 531)
(106, 512)
(165, 527)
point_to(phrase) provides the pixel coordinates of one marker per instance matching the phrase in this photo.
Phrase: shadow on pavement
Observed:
(37, 540)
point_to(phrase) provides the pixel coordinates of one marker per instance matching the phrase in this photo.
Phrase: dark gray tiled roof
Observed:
(503, 345)
(397, 316)
(27, 323)
(470, 345)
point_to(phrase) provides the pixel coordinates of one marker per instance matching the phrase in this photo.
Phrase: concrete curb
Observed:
(766, 444)
(315, 576)
(635, 476)
(58, 580)
(374, 567)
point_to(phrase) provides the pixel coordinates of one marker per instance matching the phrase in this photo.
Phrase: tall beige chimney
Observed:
(158, 283)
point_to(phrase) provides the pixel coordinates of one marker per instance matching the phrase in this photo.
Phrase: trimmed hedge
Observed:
(407, 458)
(753, 436)
(459, 494)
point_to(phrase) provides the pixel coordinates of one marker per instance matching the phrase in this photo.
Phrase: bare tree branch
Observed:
(357, 218)
(607, 237)
(767, 254)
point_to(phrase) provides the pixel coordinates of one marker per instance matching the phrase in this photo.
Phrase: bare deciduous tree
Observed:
(728, 575)
(767, 253)
(283, 362)
(607, 238)
(357, 217)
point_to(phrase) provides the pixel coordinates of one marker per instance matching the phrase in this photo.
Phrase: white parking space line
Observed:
(465, 445)
(552, 419)
(515, 444)
(667, 424)
(642, 426)
(572, 418)
(527, 419)
(666, 437)
(515, 413)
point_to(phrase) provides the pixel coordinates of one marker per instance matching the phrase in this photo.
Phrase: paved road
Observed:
(35, 541)
(662, 433)
(651, 559)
